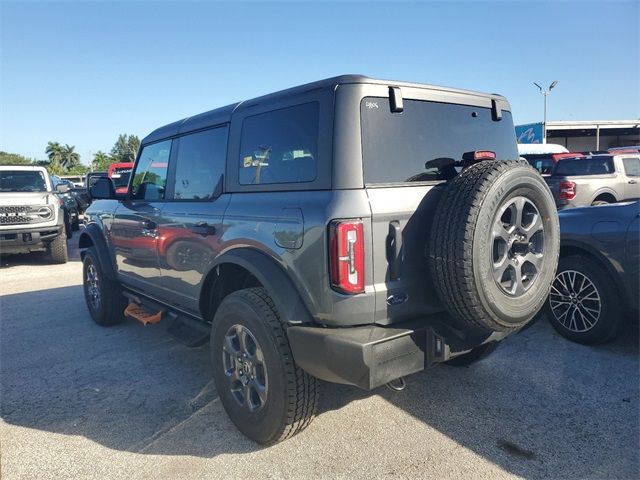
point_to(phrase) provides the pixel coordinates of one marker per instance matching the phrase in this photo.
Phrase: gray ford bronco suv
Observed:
(350, 230)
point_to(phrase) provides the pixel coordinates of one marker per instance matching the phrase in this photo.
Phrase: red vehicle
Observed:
(120, 174)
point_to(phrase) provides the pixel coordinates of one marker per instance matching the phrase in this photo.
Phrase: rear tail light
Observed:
(478, 155)
(346, 256)
(567, 190)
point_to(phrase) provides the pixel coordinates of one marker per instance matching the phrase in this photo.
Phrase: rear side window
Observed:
(150, 176)
(631, 166)
(397, 146)
(587, 166)
(280, 146)
(200, 164)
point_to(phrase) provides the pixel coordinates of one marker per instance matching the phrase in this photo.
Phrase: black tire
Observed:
(109, 308)
(604, 313)
(57, 249)
(474, 355)
(462, 246)
(75, 223)
(68, 227)
(290, 393)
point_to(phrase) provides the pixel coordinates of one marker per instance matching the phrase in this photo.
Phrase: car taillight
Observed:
(567, 190)
(346, 256)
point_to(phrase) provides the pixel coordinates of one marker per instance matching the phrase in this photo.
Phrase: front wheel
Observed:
(266, 395)
(103, 296)
(584, 305)
(58, 249)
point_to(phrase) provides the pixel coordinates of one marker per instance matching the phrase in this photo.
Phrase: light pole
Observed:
(545, 94)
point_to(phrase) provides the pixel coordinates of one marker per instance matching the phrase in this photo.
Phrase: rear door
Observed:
(190, 229)
(403, 190)
(631, 169)
(134, 233)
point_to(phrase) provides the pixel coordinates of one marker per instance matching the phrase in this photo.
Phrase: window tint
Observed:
(280, 146)
(632, 166)
(22, 181)
(586, 166)
(150, 177)
(200, 164)
(397, 146)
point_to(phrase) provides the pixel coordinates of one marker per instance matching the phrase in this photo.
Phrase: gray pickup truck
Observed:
(351, 230)
(595, 180)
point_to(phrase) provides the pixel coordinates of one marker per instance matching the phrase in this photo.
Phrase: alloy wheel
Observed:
(517, 246)
(575, 301)
(244, 366)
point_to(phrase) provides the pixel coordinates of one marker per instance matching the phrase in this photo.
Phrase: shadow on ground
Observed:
(540, 406)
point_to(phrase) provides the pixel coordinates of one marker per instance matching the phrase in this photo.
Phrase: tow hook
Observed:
(397, 385)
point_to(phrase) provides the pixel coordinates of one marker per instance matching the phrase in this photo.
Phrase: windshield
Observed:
(22, 181)
(541, 162)
(120, 176)
(396, 146)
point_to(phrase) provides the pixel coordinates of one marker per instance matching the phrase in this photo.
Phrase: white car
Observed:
(31, 216)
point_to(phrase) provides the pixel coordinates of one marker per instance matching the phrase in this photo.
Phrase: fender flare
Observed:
(92, 236)
(273, 278)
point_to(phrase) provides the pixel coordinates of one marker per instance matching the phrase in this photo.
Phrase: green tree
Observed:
(70, 159)
(14, 159)
(125, 148)
(54, 153)
(101, 161)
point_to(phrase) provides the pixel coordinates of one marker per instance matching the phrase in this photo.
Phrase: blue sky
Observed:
(83, 72)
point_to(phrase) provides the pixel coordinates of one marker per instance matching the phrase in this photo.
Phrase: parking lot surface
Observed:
(79, 400)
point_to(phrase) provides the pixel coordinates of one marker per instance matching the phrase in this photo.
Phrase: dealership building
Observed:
(579, 136)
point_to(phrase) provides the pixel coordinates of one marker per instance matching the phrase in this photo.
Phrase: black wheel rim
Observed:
(244, 367)
(93, 287)
(517, 239)
(575, 301)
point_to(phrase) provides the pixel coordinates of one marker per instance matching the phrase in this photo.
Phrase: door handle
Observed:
(394, 250)
(633, 182)
(203, 228)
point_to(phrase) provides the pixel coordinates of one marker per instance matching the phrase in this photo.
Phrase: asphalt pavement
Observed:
(82, 401)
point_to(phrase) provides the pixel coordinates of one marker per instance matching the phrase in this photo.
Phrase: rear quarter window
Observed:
(631, 166)
(280, 146)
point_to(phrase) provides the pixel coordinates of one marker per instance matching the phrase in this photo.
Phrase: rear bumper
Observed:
(25, 240)
(372, 355)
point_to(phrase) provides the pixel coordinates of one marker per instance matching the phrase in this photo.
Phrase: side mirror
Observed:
(102, 189)
(62, 188)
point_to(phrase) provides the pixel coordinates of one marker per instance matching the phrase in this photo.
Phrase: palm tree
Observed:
(69, 157)
(101, 161)
(54, 153)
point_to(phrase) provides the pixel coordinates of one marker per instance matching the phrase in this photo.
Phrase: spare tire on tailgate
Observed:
(494, 245)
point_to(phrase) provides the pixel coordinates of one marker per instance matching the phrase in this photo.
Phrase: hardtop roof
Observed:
(223, 114)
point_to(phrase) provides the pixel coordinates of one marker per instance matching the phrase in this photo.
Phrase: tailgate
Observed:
(401, 219)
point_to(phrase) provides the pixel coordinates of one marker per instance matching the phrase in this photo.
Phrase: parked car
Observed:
(69, 204)
(595, 180)
(350, 230)
(120, 174)
(31, 213)
(545, 163)
(597, 281)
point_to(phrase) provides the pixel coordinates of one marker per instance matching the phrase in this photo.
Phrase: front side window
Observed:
(280, 146)
(200, 164)
(150, 177)
(631, 166)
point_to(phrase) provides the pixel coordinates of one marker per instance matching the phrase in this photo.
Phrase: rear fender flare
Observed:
(273, 278)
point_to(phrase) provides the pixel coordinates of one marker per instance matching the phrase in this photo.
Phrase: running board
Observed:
(187, 330)
(141, 314)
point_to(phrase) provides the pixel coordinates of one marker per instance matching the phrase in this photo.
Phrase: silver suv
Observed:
(350, 230)
(595, 180)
